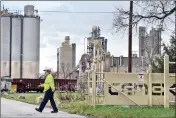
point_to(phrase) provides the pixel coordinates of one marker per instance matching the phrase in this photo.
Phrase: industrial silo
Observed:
(31, 46)
(16, 45)
(65, 53)
(5, 43)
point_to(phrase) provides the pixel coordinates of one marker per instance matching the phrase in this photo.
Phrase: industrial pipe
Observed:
(21, 53)
(10, 57)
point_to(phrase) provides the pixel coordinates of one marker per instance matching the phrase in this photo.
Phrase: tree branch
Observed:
(155, 11)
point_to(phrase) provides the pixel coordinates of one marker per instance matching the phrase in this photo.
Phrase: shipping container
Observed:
(27, 84)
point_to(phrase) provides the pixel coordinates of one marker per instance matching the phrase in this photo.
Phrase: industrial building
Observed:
(66, 59)
(108, 63)
(20, 43)
(149, 42)
(120, 64)
(86, 59)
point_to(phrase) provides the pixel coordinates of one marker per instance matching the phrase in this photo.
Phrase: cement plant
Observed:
(21, 50)
(100, 77)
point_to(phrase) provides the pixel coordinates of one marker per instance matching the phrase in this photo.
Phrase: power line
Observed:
(105, 12)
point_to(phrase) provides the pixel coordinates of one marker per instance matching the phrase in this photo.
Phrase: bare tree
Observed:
(62, 65)
(82, 82)
(54, 74)
(149, 53)
(67, 70)
(150, 12)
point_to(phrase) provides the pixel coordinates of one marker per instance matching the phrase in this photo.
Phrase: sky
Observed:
(55, 26)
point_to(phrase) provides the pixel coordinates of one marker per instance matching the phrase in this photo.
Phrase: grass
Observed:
(117, 111)
(30, 98)
(73, 103)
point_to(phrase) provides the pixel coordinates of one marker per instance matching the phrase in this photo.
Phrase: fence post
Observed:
(166, 80)
(150, 85)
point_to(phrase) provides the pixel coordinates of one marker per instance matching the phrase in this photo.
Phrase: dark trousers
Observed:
(48, 96)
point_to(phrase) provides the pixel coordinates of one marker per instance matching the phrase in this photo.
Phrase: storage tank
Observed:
(29, 10)
(31, 47)
(5, 45)
(16, 45)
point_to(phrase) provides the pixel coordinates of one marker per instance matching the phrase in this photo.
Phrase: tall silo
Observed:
(57, 63)
(16, 45)
(73, 55)
(31, 46)
(65, 58)
(5, 44)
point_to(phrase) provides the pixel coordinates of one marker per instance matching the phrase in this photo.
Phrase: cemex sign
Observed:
(128, 89)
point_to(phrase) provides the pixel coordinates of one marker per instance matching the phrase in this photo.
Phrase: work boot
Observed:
(54, 111)
(37, 109)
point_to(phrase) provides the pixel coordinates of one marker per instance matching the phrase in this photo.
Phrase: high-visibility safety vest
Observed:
(49, 83)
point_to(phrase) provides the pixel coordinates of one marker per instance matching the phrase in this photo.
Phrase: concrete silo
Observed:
(31, 45)
(16, 45)
(20, 37)
(5, 43)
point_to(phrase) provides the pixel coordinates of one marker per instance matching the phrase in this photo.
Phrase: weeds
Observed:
(75, 103)
(70, 96)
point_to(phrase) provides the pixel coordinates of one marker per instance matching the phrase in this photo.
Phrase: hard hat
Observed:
(47, 70)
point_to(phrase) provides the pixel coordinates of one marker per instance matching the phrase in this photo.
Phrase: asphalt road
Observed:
(11, 108)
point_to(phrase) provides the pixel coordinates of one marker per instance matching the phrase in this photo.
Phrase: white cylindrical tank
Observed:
(29, 10)
(5, 45)
(16, 46)
(31, 47)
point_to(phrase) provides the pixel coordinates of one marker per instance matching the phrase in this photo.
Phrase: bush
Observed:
(70, 96)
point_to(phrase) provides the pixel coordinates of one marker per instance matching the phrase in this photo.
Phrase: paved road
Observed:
(11, 108)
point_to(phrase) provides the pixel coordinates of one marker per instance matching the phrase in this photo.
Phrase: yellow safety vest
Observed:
(49, 83)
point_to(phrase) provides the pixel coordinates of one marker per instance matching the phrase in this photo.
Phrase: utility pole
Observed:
(0, 39)
(175, 21)
(0, 44)
(130, 39)
(175, 55)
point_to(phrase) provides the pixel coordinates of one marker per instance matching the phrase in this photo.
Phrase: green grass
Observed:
(117, 111)
(30, 98)
(75, 106)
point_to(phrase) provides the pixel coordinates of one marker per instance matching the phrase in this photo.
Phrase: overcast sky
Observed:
(55, 26)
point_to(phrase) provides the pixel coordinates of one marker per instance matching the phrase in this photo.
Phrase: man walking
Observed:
(49, 89)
